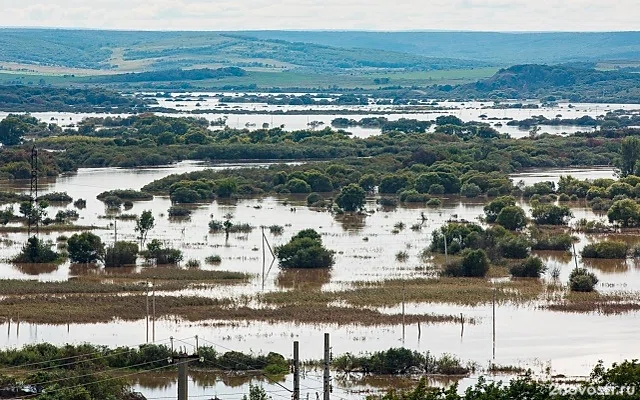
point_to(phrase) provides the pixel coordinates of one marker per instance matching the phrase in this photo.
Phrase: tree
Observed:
(549, 214)
(630, 152)
(12, 129)
(144, 223)
(512, 218)
(85, 247)
(368, 182)
(34, 212)
(35, 251)
(297, 185)
(470, 190)
(474, 263)
(351, 198)
(121, 254)
(625, 212)
(226, 187)
(305, 250)
(162, 255)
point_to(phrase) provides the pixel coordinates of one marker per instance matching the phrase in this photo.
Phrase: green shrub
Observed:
(388, 202)
(549, 214)
(474, 263)
(512, 218)
(531, 268)
(304, 250)
(607, 249)
(85, 248)
(581, 280)
(121, 254)
(513, 246)
(313, 198)
(178, 212)
(298, 186)
(36, 251)
(492, 210)
(470, 190)
(412, 196)
(160, 254)
(436, 189)
(555, 241)
(214, 259)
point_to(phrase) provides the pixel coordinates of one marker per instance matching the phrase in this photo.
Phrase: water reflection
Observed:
(36, 269)
(299, 278)
(609, 266)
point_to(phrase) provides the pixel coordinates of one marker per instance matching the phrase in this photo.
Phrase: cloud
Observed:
(487, 15)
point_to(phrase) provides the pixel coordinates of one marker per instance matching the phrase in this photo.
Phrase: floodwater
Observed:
(254, 115)
(526, 335)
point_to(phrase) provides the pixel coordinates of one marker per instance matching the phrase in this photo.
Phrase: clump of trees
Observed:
(305, 250)
(398, 361)
(496, 241)
(550, 214)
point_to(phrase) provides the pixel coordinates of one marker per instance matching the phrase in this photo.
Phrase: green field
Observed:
(285, 79)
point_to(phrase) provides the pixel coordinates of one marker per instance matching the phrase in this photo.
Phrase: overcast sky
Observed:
(486, 15)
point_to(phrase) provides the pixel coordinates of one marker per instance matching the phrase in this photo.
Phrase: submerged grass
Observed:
(166, 279)
(594, 302)
(86, 308)
(463, 291)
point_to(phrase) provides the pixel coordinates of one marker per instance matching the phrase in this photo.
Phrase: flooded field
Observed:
(366, 247)
(257, 115)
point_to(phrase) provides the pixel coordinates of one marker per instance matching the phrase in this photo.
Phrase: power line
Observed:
(95, 382)
(21, 366)
(93, 373)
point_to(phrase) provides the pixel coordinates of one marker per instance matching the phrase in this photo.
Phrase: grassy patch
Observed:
(608, 304)
(463, 291)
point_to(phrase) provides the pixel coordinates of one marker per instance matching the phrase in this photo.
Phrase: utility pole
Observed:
(296, 370)
(153, 327)
(115, 231)
(327, 373)
(33, 194)
(183, 360)
(494, 323)
(446, 256)
(146, 296)
(403, 302)
(264, 258)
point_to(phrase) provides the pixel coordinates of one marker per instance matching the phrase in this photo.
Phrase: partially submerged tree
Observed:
(85, 248)
(305, 250)
(351, 198)
(121, 254)
(156, 251)
(144, 223)
(36, 251)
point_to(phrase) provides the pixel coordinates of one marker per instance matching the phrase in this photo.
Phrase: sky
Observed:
(382, 15)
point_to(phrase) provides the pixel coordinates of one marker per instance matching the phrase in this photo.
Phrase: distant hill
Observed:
(558, 81)
(499, 48)
(144, 51)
